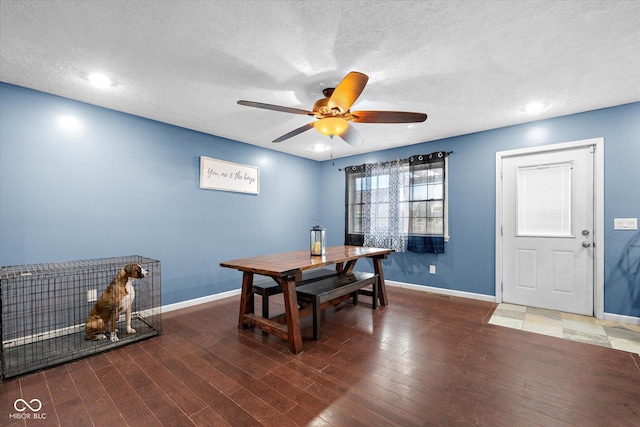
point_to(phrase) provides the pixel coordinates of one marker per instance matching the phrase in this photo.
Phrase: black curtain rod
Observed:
(446, 152)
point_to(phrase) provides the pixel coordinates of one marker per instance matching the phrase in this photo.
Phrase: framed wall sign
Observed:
(226, 176)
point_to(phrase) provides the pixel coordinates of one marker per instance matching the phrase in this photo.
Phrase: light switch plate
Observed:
(625, 223)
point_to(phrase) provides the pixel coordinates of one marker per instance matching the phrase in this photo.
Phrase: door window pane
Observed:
(544, 200)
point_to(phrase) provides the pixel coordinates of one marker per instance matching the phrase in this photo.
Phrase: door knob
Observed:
(585, 232)
(586, 244)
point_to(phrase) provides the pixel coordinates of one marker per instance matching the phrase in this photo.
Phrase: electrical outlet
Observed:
(432, 269)
(92, 295)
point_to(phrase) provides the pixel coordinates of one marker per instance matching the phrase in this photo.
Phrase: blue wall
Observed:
(124, 185)
(468, 264)
(127, 185)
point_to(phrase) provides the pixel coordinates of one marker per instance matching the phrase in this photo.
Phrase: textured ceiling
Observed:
(470, 65)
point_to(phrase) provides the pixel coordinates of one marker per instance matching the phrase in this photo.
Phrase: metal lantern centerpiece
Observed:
(317, 241)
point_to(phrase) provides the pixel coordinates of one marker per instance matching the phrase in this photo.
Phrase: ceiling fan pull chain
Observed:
(332, 162)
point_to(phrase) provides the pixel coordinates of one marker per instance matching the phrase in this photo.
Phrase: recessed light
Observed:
(320, 148)
(99, 80)
(534, 107)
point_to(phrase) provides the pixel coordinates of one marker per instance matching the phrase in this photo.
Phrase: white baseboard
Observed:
(227, 294)
(197, 301)
(620, 318)
(423, 288)
(434, 290)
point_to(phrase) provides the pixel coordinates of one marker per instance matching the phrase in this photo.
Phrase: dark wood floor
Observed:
(423, 360)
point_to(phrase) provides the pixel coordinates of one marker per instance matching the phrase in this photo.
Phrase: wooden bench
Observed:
(266, 289)
(325, 290)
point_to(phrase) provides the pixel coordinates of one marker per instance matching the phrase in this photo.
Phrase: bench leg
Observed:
(316, 319)
(355, 297)
(374, 287)
(265, 304)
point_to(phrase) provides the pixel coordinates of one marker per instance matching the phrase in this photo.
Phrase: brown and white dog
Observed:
(118, 297)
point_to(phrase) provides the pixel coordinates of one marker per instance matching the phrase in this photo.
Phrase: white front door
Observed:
(547, 230)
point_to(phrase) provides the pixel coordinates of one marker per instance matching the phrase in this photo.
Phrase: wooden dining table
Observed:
(286, 269)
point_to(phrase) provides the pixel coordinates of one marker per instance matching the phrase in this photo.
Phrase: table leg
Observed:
(382, 290)
(292, 315)
(246, 297)
(347, 268)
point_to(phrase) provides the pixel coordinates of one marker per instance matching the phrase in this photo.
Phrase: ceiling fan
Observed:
(333, 112)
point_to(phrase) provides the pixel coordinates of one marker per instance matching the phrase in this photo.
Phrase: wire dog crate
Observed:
(44, 308)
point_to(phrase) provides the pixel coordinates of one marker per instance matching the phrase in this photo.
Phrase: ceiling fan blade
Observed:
(295, 132)
(352, 137)
(275, 107)
(388, 117)
(347, 91)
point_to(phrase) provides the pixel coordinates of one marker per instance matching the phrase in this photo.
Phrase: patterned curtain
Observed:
(382, 220)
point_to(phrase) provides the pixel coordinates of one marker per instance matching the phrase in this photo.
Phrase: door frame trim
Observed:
(598, 214)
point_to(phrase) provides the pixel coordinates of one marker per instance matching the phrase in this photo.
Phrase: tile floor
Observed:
(621, 336)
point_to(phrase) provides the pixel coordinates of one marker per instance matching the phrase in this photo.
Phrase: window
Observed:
(355, 186)
(400, 204)
(544, 200)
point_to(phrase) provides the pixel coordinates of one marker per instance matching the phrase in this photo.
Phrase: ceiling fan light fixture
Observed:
(331, 126)
(333, 112)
